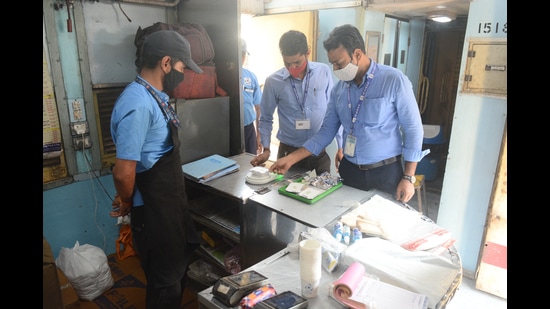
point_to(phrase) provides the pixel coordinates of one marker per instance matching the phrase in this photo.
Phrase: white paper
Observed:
(379, 294)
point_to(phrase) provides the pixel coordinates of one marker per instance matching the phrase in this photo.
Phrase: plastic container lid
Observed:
(433, 134)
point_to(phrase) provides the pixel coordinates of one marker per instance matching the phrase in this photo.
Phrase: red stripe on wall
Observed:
(496, 255)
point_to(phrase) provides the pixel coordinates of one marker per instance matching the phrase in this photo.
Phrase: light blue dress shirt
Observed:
(252, 96)
(389, 109)
(139, 129)
(279, 94)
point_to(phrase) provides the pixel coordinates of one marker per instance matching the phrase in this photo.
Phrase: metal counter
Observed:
(270, 221)
(319, 214)
(234, 185)
(283, 271)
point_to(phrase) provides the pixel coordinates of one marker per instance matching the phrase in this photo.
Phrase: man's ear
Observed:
(166, 63)
(357, 53)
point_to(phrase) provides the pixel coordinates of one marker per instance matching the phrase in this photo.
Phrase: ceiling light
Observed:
(442, 16)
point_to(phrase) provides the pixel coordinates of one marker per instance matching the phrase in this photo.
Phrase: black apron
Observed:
(169, 234)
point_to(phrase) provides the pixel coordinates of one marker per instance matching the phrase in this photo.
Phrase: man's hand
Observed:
(260, 159)
(338, 157)
(260, 147)
(405, 191)
(282, 165)
(120, 208)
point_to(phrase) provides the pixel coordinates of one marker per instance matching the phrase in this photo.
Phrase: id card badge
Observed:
(349, 148)
(303, 124)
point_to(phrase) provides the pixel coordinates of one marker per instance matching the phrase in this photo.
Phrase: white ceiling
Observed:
(407, 9)
(419, 9)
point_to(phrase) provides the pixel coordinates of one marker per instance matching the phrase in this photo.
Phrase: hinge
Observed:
(468, 78)
(471, 53)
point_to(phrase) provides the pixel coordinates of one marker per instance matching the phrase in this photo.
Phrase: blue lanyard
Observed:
(361, 98)
(164, 106)
(303, 104)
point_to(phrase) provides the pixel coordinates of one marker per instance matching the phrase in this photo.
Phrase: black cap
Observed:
(170, 43)
(243, 47)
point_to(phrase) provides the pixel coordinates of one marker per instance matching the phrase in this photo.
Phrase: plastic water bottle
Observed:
(356, 235)
(346, 234)
(338, 231)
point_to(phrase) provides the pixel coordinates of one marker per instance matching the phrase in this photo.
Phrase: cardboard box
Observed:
(51, 294)
(47, 252)
(68, 293)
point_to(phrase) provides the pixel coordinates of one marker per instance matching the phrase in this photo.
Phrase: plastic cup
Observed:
(310, 287)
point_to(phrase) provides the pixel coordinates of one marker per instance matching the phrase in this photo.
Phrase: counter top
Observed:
(443, 271)
(283, 271)
(318, 214)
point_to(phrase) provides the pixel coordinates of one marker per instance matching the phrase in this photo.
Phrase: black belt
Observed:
(365, 167)
(292, 148)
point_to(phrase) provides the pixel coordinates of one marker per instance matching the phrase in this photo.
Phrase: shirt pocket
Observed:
(374, 112)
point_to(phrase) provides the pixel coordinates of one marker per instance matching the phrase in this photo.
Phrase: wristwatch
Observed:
(412, 179)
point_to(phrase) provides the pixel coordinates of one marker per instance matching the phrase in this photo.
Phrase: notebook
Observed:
(209, 168)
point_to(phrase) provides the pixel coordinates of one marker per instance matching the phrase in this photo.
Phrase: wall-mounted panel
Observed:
(487, 68)
(110, 37)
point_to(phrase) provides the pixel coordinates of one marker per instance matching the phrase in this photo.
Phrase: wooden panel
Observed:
(53, 159)
(493, 266)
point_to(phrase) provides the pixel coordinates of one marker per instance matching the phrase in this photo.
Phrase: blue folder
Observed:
(209, 168)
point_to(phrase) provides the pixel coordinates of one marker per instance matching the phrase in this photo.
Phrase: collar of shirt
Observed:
(163, 96)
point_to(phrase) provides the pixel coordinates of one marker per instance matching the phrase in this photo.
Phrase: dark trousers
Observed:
(320, 163)
(384, 178)
(165, 297)
(250, 145)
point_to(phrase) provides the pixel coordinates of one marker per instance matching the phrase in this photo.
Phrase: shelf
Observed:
(217, 214)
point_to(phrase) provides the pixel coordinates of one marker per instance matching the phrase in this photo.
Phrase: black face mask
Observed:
(172, 80)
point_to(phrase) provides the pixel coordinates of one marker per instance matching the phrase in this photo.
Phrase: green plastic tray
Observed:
(282, 190)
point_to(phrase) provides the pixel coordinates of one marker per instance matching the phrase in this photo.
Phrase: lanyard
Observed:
(361, 98)
(303, 104)
(166, 108)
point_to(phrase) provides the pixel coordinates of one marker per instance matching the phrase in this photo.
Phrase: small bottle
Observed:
(338, 231)
(356, 235)
(346, 234)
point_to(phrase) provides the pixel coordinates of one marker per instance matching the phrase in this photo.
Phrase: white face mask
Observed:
(347, 73)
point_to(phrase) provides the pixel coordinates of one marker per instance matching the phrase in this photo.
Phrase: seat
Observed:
(420, 188)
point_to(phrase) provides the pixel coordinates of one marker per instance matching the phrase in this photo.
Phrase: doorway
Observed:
(438, 81)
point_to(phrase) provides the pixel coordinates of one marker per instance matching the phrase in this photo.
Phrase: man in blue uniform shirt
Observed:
(252, 96)
(147, 173)
(376, 107)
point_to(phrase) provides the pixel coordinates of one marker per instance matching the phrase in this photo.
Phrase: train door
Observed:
(395, 43)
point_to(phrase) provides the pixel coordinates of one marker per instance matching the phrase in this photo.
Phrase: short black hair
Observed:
(347, 35)
(293, 42)
(147, 61)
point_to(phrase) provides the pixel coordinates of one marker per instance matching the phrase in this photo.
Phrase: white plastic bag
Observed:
(87, 269)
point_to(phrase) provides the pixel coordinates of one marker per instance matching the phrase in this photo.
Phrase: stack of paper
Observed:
(209, 168)
(356, 290)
